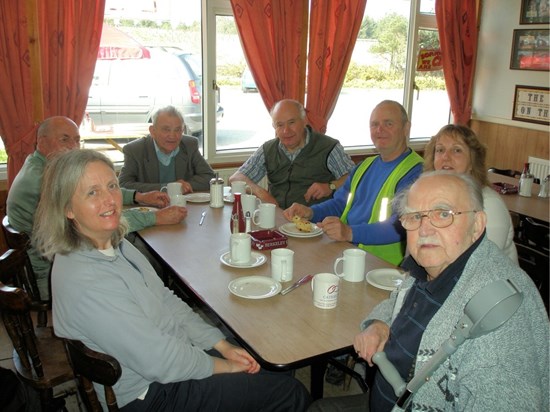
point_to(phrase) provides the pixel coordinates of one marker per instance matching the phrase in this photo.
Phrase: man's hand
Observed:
(171, 215)
(335, 229)
(296, 209)
(371, 340)
(155, 198)
(185, 186)
(317, 191)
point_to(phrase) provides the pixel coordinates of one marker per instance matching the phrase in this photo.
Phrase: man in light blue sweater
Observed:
(451, 260)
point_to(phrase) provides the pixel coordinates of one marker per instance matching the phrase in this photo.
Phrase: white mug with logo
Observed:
(172, 189)
(264, 216)
(353, 266)
(250, 203)
(240, 248)
(178, 200)
(282, 264)
(325, 290)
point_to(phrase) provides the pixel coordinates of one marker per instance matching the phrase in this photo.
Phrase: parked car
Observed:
(132, 90)
(247, 82)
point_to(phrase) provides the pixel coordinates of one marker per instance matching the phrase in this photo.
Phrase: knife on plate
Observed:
(298, 283)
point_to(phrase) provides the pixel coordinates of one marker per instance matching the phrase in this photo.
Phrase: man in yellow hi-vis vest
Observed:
(360, 211)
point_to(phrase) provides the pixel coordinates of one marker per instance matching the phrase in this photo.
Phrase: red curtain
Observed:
(69, 35)
(457, 26)
(273, 35)
(334, 26)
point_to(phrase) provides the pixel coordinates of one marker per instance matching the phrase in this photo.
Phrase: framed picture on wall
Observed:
(530, 50)
(535, 12)
(532, 104)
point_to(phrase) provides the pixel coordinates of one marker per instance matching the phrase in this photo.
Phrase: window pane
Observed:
(246, 123)
(151, 58)
(376, 71)
(431, 103)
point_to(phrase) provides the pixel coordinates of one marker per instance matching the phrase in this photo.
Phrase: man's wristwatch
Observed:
(331, 186)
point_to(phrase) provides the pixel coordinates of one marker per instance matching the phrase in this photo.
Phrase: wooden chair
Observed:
(91, 366)
(39, 357)
(24, 276)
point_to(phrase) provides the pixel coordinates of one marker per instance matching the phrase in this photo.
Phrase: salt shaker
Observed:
(544, 187)
(247, 225)
(216, 192)
(526, 182)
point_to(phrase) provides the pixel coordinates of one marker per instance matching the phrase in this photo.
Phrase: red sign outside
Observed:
(429, 60)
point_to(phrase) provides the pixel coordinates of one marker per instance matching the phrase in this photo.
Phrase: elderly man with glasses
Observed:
(450, 260)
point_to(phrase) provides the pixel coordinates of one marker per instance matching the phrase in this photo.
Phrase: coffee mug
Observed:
(250, 203)
(282, 264)
(239, 247)
(239, 187)
(172, 189)
(354, 265)
(325, 290)
(178, 200)
(264, 216)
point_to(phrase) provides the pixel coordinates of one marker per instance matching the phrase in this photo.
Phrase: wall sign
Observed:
(531, 104)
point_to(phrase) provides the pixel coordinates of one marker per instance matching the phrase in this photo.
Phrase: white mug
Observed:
(172, 189)
(354, 265)
(250, 203)
(282, 264)
(239, 247)
(239, 187)
(325, 290)
(264, 216)
(178, 200)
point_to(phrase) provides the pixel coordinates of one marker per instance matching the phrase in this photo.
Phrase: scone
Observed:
(302, 225)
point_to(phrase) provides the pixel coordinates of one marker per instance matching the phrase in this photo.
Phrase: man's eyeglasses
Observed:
(439, 218)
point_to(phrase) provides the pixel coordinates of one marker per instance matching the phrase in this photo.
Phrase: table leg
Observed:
(317, 377)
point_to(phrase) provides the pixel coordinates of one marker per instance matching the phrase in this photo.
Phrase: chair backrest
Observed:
(26, 278)
(535, 234)
(15, 306)
(16, 270)
(91, 366)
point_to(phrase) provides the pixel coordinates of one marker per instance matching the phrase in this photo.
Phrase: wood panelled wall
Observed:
(509, 147)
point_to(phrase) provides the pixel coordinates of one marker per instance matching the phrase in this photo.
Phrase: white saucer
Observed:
(254, 287)
(291, 230)
(387, 279)
(257, 259)
(198, 197)
(228, 199)
(145, 209)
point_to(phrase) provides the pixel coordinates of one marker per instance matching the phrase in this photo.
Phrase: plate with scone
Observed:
(300, 227)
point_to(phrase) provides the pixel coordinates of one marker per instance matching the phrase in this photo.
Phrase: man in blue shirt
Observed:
(360, 211)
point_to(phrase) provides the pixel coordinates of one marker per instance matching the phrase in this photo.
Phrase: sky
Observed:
(188, 11)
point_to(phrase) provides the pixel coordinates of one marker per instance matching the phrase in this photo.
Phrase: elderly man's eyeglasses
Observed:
(439, 218)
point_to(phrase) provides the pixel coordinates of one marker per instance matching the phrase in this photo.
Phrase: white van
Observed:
(132, 90)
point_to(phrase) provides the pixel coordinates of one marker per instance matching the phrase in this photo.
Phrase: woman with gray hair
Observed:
(457, 149)
(107, 295)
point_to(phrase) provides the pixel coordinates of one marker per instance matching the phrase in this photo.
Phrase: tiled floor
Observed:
(72, 402)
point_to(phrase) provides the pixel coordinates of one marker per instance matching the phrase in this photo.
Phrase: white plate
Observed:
(291, 230)
(198, 197)
(254, 287)
(228, 199)
(387, 279)
(257, 259)
(145, 209)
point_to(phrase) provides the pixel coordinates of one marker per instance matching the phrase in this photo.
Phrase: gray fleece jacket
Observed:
(119, 306)
(506, 370)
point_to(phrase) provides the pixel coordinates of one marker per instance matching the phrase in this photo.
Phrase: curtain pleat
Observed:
(457, 26)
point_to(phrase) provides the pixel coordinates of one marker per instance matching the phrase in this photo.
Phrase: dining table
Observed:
(282, 332)
(533, 206)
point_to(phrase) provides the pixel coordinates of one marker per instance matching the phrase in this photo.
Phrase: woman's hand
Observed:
(236, 358)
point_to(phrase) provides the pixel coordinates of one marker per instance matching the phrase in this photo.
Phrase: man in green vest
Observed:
(301, 165)
(360, 211)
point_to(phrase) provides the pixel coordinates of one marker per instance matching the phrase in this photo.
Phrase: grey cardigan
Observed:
(506, 370)
(141, 166)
